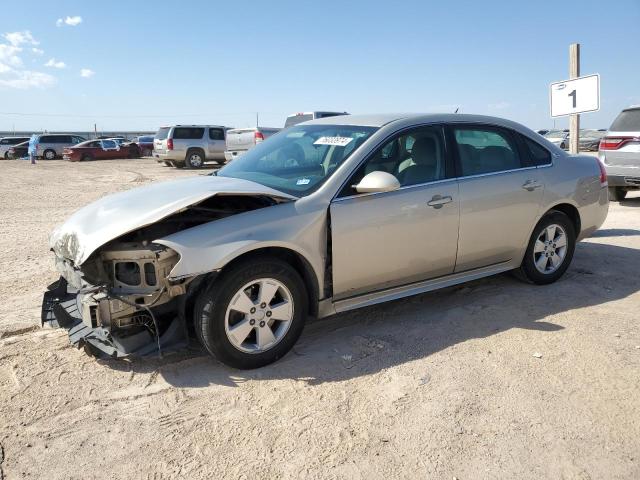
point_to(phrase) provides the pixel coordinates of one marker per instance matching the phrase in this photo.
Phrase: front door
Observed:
(383, 240)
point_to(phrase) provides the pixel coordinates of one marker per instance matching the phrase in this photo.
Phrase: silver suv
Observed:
(620, 152)
(51, 146)
(7, 142)
(190, 145)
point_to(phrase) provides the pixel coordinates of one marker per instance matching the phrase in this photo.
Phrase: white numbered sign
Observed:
(579, 95)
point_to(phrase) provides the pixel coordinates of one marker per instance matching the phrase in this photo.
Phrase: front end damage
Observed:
(121, 302)
(121, 299)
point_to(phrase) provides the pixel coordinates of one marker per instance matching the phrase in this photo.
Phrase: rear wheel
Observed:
(6, 155)
(178, 164)
(147, 152)
(252, 314)
(194, 159)
(617, 194)
(49, 155)
(168, 163)
(550, 249)
(87, 157)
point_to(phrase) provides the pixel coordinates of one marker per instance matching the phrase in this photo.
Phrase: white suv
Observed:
(190, 145)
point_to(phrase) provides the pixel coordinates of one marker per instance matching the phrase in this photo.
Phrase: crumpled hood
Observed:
(114, 215)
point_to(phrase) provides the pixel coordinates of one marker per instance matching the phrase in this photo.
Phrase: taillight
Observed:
(170, 144)
(259, 137)
(614, 143)
(603, 174)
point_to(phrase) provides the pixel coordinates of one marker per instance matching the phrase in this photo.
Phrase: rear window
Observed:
(162, 133)
(216, 134)
(13, 141)
(188, 133)
(538, 155)
(296, 119)
(145, 139)
(627, 121)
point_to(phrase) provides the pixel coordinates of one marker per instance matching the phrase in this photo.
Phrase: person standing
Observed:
(32, 148)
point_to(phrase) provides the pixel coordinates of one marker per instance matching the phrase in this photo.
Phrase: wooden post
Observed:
(574, 120)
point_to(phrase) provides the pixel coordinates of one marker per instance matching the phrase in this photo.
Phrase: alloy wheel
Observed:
(259, 315)
(550, 249)
(195, 160)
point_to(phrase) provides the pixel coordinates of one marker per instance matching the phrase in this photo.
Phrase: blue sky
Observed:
(153, 63)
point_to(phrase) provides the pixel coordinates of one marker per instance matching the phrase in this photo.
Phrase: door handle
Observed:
(531, 185)
(437, 201)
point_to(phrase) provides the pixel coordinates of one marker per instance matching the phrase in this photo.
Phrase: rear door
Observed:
(500, 195)
(110, 149)
(216, 143)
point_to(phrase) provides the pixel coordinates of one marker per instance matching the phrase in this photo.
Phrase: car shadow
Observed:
(616, 232)
(372, 339)
(630, 202)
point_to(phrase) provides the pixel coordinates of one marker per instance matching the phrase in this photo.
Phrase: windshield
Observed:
(555, 135)
(298, 160)
(162, 133)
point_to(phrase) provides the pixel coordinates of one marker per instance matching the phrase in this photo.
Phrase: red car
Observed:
(100, 150)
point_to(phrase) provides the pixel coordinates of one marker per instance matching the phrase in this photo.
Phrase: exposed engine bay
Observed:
(121, 301)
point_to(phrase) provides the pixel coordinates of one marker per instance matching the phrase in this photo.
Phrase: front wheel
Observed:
(49, 155)
(253, 314)
(550, 249)
(617, 194)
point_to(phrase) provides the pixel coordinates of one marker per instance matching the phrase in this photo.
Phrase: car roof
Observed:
(379, 120)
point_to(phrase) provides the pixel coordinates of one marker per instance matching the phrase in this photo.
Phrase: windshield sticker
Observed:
(337, 141)
(303, 181)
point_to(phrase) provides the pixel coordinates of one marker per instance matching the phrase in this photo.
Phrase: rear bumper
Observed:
(632, 181)
(60, 308)
(230, 155)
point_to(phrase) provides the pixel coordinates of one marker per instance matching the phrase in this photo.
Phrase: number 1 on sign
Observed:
(573, 94)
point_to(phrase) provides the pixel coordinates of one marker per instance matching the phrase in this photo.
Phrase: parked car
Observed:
(589, 140)
(190, 145)
(543, 131)
(297, 118)
(327, 216)
(559, 138)
(620, 153)
(100, 150)
(7, 142)
(240, 140)
(146, 145)
(51, 145)
(20, 150)
(132, 149)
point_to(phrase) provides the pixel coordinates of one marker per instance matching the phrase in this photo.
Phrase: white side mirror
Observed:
(377, 181)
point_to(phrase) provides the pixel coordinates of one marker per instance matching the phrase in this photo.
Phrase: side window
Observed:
(538, 155)
(414, 157)
(485, 150)
(216, 134)
(108, 144)
(45, 139)
(66, 139)
(78, 139)
(188, 133)
(4, 142)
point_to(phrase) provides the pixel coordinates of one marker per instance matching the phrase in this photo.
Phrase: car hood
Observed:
(114, 215)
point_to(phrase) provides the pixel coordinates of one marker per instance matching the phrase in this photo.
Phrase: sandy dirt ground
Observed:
(495, 379)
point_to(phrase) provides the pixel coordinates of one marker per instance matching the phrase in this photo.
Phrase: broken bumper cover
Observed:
(60, 308)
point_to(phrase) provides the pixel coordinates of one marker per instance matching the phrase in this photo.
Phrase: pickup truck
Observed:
(239, 140)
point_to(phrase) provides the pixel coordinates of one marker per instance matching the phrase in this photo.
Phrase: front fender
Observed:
(213, 245)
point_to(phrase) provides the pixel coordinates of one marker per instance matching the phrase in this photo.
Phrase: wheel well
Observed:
(571, 212)
(297, 261)
(191, 149)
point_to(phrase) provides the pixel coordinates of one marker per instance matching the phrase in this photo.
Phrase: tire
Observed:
(134, 152)
(528, 270)
(6, 155)
(49, 154)
(178, 164)
(214, 314)
(168, 163)
(87, 157)
(195, 158)
(147, 152)
(617, 194)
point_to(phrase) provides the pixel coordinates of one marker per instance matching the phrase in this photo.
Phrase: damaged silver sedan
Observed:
(325, 217)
